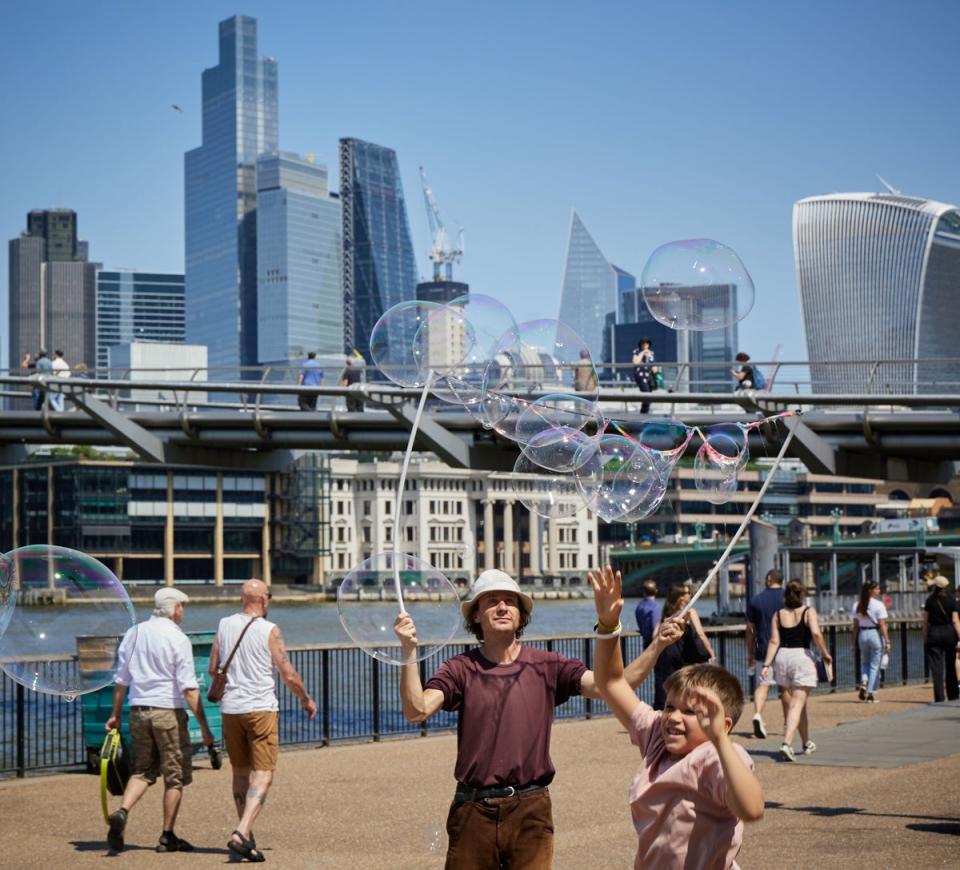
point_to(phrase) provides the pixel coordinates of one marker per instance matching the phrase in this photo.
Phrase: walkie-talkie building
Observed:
(879, 278)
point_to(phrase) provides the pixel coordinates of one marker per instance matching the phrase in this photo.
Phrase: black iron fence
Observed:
(359, 698)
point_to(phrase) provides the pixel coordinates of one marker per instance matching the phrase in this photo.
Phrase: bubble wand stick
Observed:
(733, 541)
(400, 485)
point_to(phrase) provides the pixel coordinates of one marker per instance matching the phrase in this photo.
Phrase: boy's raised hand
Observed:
(670, 631)
(607, 590)
(710, 713)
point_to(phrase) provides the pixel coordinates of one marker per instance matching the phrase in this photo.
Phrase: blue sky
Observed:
(656, 121)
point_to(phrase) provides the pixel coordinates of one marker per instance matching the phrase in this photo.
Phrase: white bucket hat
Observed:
(169, 595)
(495, 581)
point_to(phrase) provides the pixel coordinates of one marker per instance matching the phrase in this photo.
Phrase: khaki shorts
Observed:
(253, 739)
(161, 744)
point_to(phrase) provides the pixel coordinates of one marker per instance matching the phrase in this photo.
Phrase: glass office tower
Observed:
(239, 123)
(137, 306)
(878, 276)
(379, 269)
(299, 292)
(591, 288)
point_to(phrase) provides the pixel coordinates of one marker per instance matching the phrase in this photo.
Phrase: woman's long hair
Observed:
(674, 595)
(865, 595)
(794, 594)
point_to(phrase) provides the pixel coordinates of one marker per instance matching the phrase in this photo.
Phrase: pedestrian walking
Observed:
(584, 374)
(760, 612)
(647, 612)
(349, 376)
(155, 666)
(941, 631)
(871, 635)
(792, 629)
(643, 369)
(504, 693)
(61, 368)
(249, 706)
(43, 366)
(311, 375)
(693, 648)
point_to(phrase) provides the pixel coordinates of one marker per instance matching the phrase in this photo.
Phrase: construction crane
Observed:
(444, 253)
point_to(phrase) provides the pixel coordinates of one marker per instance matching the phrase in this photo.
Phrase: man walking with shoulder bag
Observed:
(249, 705)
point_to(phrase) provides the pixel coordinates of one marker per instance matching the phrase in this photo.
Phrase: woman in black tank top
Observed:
(791, 631)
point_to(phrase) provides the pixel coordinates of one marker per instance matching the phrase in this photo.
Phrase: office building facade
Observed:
(52, 303)
(591, 288)
(878, 277)
(220, 197)
(379, 268)
(137, 306)
(299, 273)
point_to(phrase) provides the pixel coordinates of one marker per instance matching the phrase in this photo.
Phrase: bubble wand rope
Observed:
(733, 541)
(400, 485)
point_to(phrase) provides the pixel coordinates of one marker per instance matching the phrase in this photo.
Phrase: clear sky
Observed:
(656, 121)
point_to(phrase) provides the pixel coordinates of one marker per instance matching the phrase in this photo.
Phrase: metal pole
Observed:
(21, 736)
(833, 583)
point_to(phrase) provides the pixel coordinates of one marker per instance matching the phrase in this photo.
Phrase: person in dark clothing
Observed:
(348, 377)
(643, 375)
(744, 374)
(648, 612)
(760, 612)
(941, 630)
(693, 648)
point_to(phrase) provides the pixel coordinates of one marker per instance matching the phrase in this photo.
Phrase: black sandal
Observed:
(172, 843)
(245, 848)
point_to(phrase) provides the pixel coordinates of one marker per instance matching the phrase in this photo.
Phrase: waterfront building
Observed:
(137, 306)
(220, 198)
(592, 287)
(52, 299)
(299, 290)
(878, 276)
(159, 361)
(379, 268)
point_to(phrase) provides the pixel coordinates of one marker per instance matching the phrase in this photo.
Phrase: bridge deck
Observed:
(380, 805)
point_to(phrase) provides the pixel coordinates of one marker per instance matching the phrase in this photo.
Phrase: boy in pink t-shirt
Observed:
(695, 787)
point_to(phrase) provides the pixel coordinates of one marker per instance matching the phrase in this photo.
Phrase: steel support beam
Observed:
(810, 448)
(142, 442)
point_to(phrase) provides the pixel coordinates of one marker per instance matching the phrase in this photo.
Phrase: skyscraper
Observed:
(379, 269)
(239, 124)
(299, 291)
(137, 306)
(590, 287)
(878, 276)
(52, 289)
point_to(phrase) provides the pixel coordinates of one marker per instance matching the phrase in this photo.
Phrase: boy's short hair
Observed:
(720, 680)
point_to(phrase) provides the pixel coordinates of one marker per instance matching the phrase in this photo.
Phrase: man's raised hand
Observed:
(405, 631)
(607, 595)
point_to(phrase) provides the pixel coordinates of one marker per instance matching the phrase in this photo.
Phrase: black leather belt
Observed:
(142, 707)
(465, 793)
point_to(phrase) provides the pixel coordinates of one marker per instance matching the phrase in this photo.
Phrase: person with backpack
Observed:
(648, 612)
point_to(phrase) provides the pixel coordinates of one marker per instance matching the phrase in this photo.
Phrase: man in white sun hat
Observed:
(505, 693)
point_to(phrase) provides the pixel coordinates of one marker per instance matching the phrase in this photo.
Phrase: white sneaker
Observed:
(759, 730)
(787, 752)
(809, 747)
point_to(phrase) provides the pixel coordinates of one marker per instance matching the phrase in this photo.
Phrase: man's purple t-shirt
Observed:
(506, 712)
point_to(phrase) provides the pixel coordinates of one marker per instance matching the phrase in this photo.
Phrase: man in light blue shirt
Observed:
(311, 375)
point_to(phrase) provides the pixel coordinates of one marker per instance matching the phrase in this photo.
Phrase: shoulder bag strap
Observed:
(236, 646)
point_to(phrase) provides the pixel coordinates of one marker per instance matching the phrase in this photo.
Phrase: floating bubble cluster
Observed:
(39, 631)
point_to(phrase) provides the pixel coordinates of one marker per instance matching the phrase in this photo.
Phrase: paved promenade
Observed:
(882, 791)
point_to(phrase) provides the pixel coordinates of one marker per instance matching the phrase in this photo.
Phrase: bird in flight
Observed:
(176, 108)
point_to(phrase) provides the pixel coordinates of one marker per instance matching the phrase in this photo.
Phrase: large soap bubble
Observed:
(618, 478)
(68, 606)
(393, 344)
(556, 431)
(368, 606)
(722, 454)
(553, 496)
(696, 284)
(464, 334)
(665, 440)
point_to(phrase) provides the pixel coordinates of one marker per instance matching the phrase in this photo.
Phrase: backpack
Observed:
(759, 381)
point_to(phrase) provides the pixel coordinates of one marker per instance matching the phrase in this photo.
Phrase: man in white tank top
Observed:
(249, 706)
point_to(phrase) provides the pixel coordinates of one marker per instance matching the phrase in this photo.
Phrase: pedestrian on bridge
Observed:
(941, 631)
(311, 375)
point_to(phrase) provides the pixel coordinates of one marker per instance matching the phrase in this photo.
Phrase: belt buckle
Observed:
(509, 791)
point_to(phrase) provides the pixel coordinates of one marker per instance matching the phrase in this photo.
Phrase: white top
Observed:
(155, 660)
(251, 677)
(60, 367)
(875, 612)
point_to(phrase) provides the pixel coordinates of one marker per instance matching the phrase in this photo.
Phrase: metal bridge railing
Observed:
(359, 698)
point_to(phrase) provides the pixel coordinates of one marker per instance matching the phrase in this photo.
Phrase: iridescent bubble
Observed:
(392, 344)
(696, 284)
(722, 454)
(618, 478)
(666, 440)
(479, 321)
(553, 496)
(368, 605)
(41, 648)
(556, 432)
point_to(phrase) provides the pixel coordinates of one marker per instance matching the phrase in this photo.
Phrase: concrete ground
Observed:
(374, 806)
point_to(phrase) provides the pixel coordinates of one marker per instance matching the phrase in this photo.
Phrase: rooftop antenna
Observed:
(890, 188)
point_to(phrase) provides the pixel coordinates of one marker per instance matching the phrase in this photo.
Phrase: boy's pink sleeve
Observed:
(712, 781)
(643, 726)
